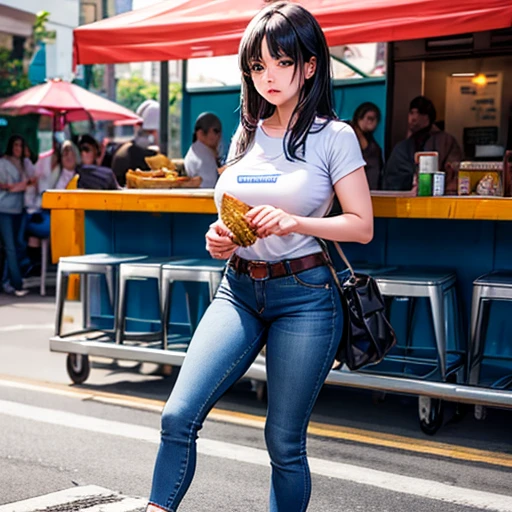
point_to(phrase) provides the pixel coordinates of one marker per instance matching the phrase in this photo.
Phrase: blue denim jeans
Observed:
(299, 318)
(10, 226)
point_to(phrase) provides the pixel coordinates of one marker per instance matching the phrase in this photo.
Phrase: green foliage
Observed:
(13, 79)
(40, 33)
(133, 91)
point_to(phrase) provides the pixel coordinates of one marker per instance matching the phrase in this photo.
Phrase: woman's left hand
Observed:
(271, 221)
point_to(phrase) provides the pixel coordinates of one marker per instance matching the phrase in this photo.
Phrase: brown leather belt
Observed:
(261, 270)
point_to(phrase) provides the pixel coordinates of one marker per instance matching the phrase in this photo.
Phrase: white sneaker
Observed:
(20, 293)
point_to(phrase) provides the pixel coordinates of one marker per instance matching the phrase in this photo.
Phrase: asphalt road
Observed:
(365, 456)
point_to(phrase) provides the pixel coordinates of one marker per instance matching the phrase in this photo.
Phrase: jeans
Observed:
(10, 225)
(299, 318)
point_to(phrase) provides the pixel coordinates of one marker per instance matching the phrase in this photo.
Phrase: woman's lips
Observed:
(273, 91)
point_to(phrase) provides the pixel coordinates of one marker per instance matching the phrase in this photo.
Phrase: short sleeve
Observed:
(344, 152)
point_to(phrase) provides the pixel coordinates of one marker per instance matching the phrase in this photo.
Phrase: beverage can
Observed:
(438, 184)
(425, 183)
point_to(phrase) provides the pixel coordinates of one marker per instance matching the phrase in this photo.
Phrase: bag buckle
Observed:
(258, 270)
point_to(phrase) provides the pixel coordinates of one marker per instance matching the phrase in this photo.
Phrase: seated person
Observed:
(422, 135)
(202, 157)
(90, 174)
(365, 121)
(131, 154)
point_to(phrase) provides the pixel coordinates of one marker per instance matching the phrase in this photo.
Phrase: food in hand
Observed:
(232, 213)
(158, 162)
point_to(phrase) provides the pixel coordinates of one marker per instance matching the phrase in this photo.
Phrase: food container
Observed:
(481, 178)
(438, 183)
(425, 183)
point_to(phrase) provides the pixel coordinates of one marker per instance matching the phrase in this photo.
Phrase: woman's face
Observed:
(68, 159)
(274, 78)
(368, 123)
(88, 154)
(17, 149)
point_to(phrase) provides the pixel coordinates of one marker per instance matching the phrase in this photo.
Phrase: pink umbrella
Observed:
(67, 102)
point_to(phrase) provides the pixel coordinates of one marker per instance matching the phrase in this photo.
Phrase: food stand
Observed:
(471, 234)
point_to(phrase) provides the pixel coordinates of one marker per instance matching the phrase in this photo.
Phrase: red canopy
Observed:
(183, 29)
(68, 101)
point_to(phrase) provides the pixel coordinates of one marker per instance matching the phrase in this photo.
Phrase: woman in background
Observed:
(365, 121)
(13, 183)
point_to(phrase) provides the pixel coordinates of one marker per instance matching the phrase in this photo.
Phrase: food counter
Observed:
(468, 234)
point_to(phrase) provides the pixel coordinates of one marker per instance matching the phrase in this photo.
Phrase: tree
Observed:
(131, 92)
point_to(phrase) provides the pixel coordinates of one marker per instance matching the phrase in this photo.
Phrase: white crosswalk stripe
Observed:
(385, 480)
(90, 498)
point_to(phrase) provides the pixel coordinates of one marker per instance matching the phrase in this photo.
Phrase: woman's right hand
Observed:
(219, 241)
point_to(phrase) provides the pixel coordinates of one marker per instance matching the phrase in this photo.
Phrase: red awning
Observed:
(183, 29)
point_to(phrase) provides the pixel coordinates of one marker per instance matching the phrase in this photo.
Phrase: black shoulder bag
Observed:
(367, 334)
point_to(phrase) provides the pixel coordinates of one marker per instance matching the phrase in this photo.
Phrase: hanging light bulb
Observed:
(479, 79)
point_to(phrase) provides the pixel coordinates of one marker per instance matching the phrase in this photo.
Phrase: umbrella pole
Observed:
(164, 107)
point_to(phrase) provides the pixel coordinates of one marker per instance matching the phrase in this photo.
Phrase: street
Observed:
(366, 452)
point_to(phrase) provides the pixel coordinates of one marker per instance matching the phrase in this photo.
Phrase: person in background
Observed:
(364, 122)
(62, 172)
(90, 174)
(422, 135)
(13, 183)
(202, 159)
(131, 154)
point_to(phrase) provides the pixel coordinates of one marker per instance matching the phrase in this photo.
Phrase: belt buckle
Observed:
(258, 270)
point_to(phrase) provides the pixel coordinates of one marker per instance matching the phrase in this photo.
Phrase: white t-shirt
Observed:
(265, 176)
(200, 161)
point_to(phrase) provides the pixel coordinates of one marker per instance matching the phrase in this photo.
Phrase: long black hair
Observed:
(10, 148)
(291, 31)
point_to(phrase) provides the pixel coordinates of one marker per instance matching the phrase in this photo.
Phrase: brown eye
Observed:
(256, 67)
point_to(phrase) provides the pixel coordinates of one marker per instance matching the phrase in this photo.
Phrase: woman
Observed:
(57, 176)
(13, 183)
(288, 155)
(365, 121)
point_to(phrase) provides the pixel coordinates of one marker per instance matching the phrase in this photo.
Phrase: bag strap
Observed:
(344, 258)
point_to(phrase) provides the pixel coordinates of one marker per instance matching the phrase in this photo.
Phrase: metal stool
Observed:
(439, 288)
(149, 268)
(192, 270)
(496, 285)
(100, 264)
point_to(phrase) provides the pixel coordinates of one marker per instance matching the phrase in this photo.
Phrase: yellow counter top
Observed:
(201, 201)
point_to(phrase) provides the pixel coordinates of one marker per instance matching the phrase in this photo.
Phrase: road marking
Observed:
(26, 327)
(350, 434)
(90, 497)
(365, 476)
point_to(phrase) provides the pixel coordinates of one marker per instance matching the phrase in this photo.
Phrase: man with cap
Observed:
(422, 135)
(202, 159)
(131, 155)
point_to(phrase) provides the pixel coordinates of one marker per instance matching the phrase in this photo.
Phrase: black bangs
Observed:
(282, 41)
(291, 31)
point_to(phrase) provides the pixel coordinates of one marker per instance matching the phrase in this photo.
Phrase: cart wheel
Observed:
(261, 391)
(430, 412)
(480, 412)
(460, 412)
(78, 367)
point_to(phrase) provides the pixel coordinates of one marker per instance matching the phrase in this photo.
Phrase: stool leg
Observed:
(61, 285)
(44, 266)
(475, 348)
(112, 287)
(215, 279)
(121, 307)
(437, 296)
(166, 309)
(84, 292)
